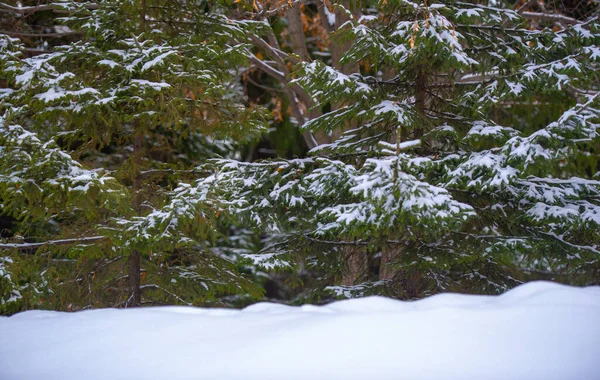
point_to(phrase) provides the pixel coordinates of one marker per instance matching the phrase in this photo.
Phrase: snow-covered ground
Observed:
(537, 331)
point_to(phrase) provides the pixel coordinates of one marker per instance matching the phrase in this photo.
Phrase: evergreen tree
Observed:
(94, 135)
(464, 155)
(454, 148)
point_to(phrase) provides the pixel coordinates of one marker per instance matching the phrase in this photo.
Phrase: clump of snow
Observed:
(539, 330)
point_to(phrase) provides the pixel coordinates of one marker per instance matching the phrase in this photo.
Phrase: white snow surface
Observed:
(539, 330)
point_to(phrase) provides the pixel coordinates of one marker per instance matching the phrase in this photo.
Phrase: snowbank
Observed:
(539, 330)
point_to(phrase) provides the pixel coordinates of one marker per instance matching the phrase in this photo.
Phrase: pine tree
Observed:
(465, 155)
(96, 133)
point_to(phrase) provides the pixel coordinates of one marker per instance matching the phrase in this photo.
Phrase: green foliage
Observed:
(96, 133)
(463, 156)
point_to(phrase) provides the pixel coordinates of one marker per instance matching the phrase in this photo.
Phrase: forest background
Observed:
(217, 153)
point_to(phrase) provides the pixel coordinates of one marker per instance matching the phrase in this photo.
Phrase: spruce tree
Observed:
(94, 136)
(465, 155)
(455, 149)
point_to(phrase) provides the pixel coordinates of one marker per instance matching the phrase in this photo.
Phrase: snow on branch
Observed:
(550, 17)
(33, 246)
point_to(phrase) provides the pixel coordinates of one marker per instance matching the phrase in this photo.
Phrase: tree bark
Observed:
(338, 49)
(420, 101)
(298, 45)
(388, 256)
(296, 32)
(356, 265)
(134, 268)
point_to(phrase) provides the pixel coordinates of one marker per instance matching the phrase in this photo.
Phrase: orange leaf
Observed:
(190, 94)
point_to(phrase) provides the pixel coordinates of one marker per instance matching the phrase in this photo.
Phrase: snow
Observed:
(471, 12)
(158, 60)
(52, 95)
(157, 86)
(394, 108)
(108, 62)
(390, 148)
(330, 16)
(14, 294)
(485, 129)
(540, 330)
(592, 51)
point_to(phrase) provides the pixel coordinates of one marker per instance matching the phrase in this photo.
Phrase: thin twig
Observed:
(30, 246)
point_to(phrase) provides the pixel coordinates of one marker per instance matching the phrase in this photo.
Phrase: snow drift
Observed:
(539, 330)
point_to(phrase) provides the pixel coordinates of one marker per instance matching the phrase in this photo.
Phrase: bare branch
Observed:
(31, 246)
(550, 17)
(154, 286)
(48, 35)
(275, 11)
(528, 4)
(278, 75)
(27, 10)
(292, 93)
(22, 11)
(274, 53)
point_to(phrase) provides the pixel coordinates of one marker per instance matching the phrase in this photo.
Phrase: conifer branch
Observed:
(27, 10)
(47, 35)
(562, 241)
(358, 242)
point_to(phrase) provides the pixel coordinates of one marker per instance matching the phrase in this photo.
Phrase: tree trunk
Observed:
(356, 265)
(298, 45)
(338, 49)
(420, 100)
(134, 260)
(388, 256)
(357, 258)
(296, 32)
(134, 268)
